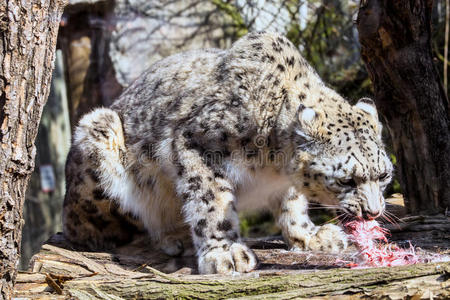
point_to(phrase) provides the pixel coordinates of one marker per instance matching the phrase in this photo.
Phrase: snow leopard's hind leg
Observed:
(92, 217)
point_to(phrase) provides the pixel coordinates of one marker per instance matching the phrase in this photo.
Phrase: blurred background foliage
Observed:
(104, 45)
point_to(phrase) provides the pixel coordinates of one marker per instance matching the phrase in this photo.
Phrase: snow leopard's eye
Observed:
(384, 177)
(346, 182)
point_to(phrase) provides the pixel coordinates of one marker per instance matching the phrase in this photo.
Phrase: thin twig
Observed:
(53, 284)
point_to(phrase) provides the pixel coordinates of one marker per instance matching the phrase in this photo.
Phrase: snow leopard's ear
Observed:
(308, 122)
(368, 106)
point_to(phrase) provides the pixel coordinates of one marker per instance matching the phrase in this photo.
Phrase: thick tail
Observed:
(95, 183)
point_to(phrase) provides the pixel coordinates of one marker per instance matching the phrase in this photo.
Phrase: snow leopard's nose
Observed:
(372, 200)
(371, 212)
(370, 215)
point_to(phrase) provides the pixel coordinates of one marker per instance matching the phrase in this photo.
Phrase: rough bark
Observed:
(396, 48)
(134, 273)
(358, 283)
(28, 31)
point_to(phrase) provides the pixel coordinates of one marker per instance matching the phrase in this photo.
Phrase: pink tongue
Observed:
(370, 239)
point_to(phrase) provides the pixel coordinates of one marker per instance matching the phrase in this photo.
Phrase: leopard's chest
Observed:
(256, 189)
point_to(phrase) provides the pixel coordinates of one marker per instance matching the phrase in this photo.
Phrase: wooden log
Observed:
(134, 272)
(335, 282)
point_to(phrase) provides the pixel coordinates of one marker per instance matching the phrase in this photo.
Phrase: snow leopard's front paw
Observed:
(329, 238)
(227, 259)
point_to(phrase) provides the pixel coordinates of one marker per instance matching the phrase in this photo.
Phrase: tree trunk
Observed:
(396, 48)
(28, 31)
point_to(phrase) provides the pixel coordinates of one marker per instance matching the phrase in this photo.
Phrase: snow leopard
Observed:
(202, 133)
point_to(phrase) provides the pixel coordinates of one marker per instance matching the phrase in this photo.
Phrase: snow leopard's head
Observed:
(341, 158)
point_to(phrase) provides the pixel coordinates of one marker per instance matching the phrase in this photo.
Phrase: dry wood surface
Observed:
(137, 271)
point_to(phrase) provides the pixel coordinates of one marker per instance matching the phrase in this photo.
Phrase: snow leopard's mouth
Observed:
(356, 211)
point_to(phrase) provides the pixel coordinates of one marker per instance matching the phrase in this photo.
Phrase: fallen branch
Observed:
(281, 274)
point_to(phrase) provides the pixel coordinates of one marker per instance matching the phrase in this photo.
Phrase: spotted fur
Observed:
(203, 133)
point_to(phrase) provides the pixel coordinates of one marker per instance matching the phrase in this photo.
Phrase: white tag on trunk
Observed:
(47, 178)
